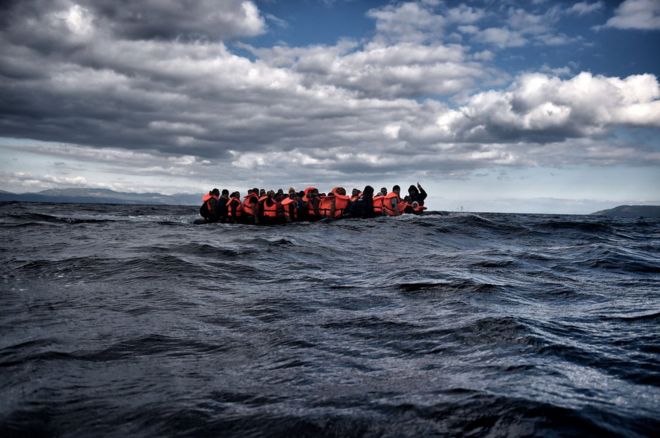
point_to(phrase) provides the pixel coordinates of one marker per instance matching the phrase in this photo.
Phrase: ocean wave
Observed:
(447, 324)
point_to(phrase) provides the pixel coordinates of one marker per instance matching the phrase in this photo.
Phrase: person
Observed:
(268, 208)
(334, 204)
(290, 206)
(312, 199)
(234, 208)
(383, 191)
(341, 203)
(392, 205)
(251, 207)
(364, 206)
(355, 195)
(222, 206)
(377, 203)
(301, 206)
(416, 194)
(209, 208)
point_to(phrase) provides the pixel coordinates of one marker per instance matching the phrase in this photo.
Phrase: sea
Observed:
(124, 320)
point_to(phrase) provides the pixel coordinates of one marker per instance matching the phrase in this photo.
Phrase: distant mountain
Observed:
(101, 196)
(631, 211)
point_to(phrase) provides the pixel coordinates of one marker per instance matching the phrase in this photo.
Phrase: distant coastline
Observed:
(100, 196)
(631, 211)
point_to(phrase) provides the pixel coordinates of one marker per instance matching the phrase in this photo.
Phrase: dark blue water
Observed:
(130, 321)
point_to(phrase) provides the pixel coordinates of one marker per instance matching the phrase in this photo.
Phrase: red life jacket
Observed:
(387, 204)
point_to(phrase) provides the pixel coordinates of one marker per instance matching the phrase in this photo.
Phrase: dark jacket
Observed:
(418, 197)
(363, 207)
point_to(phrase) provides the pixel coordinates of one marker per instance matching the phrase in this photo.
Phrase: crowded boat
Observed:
(260, 206)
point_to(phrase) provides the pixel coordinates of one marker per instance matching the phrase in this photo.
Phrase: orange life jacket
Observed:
(387, 204)
(341, 203)
(207, 201)
(378, 204)
(269, 210)
(239, 207)
(290, 208)
(248, 208)
(306, 191)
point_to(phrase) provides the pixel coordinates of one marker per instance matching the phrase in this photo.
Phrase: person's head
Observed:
(368, 190)
(236, 195)
(412, 190)
(340, 191)
(215, 192)
(301, 194)
(291, 190)
(225, 192)
(383, 191)
(270, 193)
(396, 189)
(355, 192)
(262, 192)
(280, 191)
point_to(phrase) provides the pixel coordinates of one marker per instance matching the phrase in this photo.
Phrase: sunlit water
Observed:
(131, 321)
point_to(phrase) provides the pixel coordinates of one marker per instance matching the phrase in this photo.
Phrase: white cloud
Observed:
(543, 108)
(501, 37)
(636, 14)
(464, 14)
(383, 70)
(407, 22)
(584, 8)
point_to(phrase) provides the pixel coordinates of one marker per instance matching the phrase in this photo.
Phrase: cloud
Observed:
(584, 8)
(149, 19)
(141, 102)
(545, 109)
(407, 22)
(501, 37)
(521, 28)
(636, 14)
(380, 70)
(464, 14)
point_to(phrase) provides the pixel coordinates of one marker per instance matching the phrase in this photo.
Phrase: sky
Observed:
(538, 106)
